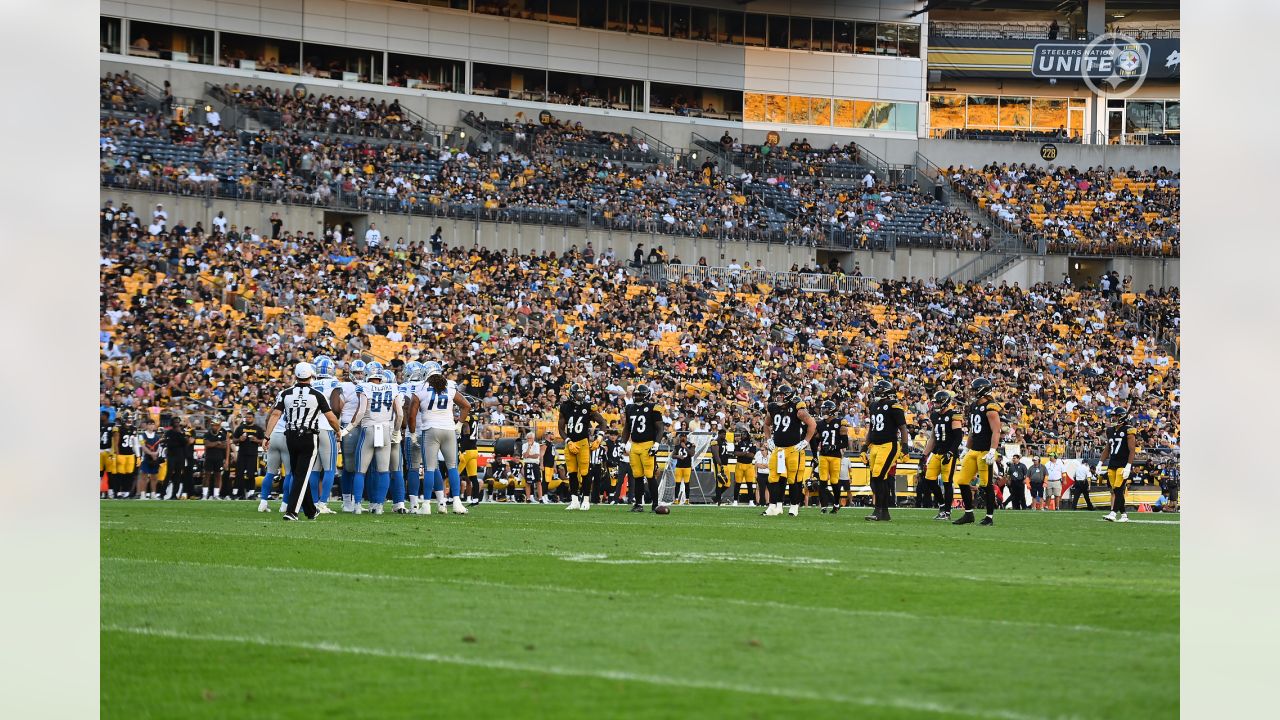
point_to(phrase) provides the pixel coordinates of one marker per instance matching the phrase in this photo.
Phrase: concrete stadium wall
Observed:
(905, 262)
(944, 153)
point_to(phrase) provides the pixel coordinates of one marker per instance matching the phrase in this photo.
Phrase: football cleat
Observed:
(288, 516)
(425, 508)
(988, 520)
(637, 508)
(573, 504)
(1110, 517)
(324, 509)
(943, 515)
(794, 511)
(965, 519)
(1124, 517)
(401, 510)
(442, 507)
(586, 504)
(458, 507)
(263, 506)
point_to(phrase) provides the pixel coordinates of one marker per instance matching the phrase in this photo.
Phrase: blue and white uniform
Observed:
(327, 442)
(350, 390)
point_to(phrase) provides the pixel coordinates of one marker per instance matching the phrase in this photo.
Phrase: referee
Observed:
(301, 406)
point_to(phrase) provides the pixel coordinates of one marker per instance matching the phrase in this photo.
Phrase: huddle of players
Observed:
(389, 431)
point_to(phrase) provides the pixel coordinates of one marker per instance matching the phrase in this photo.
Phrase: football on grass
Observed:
(662, 510)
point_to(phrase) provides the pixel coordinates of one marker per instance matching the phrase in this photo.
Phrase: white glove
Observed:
(396, 437)
(344, 431)
(1127, 469)
(728, 447)
(990, 457)
(801, 446)
(627, 446)
(768, 444)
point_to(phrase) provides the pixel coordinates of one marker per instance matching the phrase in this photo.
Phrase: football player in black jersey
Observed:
(577, 414)
(641, 432)
(721, 453)
(886, 440)
(682, 453)
(106, 446)
(792, 428)
(984, 433)
(938, 464)
(469, 453)
(744, 455)
(833, 440)
(1122, 446)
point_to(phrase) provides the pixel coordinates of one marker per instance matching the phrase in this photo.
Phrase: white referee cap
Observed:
(304, 371)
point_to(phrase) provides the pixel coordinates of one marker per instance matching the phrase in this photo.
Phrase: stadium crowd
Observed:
(197, 318)
(1093, 211)
(557, 173)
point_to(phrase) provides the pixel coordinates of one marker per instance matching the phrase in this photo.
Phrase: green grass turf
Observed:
(210, 610)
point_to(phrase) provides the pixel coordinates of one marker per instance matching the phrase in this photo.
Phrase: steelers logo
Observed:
(1128, 61)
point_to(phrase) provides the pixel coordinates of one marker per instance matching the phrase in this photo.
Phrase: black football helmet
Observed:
(1119, 413)
(943, 399)
(784, 393)
(882, 389)
(577, 393)
(642, 393)
(828, 407)
(980, 387)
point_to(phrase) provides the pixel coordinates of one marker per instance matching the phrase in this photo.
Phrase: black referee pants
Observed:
(302, 449)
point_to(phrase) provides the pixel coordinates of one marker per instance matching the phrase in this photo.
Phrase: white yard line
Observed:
(599, 673)
(583, 557)
(692, 599)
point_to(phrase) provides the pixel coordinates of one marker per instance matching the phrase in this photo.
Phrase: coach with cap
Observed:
(301, 407)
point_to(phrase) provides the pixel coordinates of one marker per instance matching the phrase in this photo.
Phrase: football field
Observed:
(210, 610)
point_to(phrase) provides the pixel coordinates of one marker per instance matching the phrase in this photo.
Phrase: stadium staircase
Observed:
(1006, 250)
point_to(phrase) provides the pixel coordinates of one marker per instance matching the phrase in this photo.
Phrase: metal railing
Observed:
(664, 151)
(727, 277)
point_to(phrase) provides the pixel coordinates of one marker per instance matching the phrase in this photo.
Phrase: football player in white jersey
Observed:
(431, 416)
(377, 417)
(409, 443)
(397, 441)
(327, 442)
(345, 408)
(277, 464)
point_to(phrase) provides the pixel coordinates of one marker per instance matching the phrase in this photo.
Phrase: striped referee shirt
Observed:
(301, 407)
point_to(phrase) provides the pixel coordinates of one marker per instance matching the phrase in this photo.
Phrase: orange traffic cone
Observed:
(105, 486)
(1144, 508)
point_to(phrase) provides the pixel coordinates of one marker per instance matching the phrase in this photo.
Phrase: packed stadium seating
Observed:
(209, 319)
(560, 174)
(1091, 211)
